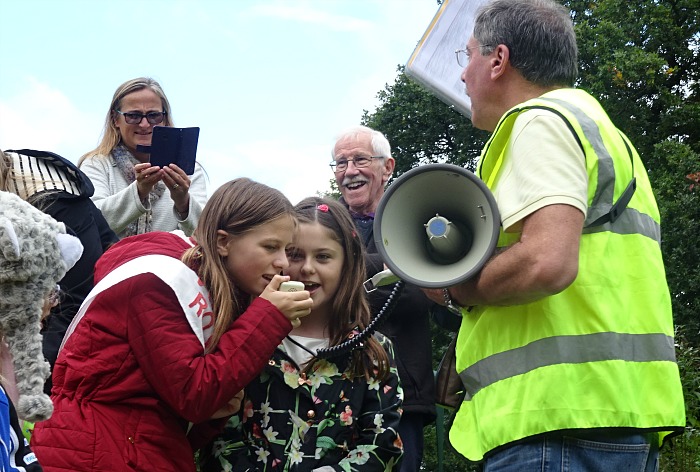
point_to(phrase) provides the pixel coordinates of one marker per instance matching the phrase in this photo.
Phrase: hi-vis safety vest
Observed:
(599, 354)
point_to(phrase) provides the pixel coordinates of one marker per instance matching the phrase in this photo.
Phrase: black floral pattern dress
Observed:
(291, 422)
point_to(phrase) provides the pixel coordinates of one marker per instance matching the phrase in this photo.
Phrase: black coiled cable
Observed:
(357, 340)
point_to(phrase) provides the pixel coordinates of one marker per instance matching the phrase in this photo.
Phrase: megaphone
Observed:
(436, 225)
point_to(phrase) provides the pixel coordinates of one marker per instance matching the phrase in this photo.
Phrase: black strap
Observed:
(621, 204)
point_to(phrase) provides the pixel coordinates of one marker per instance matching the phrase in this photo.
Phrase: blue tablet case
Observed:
(171, 145)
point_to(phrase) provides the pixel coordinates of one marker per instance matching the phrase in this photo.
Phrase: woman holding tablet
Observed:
(134, 196)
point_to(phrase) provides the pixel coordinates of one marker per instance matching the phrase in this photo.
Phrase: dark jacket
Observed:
(408, 327)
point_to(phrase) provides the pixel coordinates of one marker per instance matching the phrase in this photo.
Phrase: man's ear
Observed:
(500, 61)
(389, 164)
(222, 240)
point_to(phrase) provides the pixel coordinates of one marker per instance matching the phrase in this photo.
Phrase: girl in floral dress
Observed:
(305, 413)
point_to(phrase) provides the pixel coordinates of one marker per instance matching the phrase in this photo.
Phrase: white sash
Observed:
(189, 290)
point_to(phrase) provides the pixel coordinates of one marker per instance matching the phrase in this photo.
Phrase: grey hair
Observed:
(380, 145)
(539, 35)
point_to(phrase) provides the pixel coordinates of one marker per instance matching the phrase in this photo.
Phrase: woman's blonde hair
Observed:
(5, 169)
(110, 133)
(236, 207)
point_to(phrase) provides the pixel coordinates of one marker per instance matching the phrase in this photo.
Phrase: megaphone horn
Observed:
(436, 225)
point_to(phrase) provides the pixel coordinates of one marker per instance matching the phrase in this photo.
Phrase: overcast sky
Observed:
(269, 82)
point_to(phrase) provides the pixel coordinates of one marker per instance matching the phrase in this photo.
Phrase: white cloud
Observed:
(42, 117)
(305, 13)
(297, 171)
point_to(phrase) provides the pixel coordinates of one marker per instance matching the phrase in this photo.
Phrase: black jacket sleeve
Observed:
(83, 220)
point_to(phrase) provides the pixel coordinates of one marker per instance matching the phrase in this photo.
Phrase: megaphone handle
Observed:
(380, 279)
(357, 340)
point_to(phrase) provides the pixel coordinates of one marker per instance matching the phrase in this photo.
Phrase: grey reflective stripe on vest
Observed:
(566, 350)
(630, 221)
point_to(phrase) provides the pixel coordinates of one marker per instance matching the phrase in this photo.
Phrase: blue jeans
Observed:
(411, 433)
(588, 452)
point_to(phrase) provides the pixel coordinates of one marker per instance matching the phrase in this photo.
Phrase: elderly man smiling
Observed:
(363, 164)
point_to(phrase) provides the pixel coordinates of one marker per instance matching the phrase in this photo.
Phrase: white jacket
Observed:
(120, 203)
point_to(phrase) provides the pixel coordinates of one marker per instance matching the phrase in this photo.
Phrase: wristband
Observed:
(449, 304)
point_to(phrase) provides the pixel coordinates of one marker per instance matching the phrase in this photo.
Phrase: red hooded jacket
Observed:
(132, 376)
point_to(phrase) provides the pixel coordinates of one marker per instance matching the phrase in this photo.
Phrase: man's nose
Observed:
(351, 168)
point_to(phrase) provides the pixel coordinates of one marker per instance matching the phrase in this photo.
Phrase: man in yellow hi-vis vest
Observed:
(566, 343)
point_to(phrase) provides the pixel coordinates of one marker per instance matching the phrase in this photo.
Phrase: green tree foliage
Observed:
(684, 452)
(679, 204)
(422, 129)
(641, 59)
(333, 192)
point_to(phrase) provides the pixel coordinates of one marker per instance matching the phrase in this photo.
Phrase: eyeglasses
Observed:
(359, 162)
(153, 117)
(464, 55)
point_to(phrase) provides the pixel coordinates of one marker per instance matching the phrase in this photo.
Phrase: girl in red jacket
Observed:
(173, 330)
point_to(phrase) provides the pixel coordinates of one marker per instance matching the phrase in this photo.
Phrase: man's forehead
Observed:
(354, 143)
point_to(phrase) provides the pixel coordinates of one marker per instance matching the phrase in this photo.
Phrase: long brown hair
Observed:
(236, 207)
(110, 133)
(350, 309)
